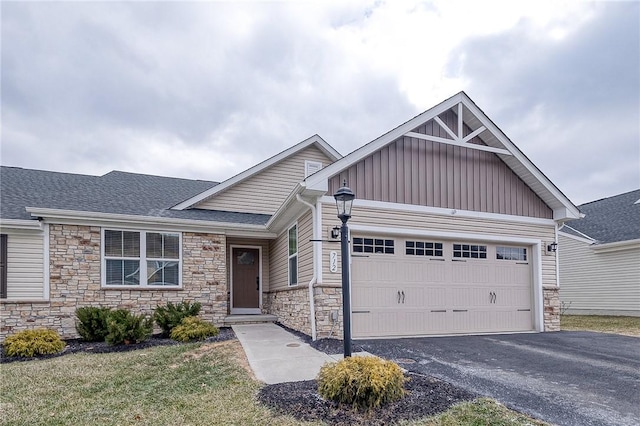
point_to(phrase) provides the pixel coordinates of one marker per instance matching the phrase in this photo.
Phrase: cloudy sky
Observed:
(205, 90)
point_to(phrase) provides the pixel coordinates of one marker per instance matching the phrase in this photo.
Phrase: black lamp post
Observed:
(344, 201)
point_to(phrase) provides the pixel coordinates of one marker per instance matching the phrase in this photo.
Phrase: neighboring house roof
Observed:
(313, 140)
(496, 141)
(116, 192)
(609, 220)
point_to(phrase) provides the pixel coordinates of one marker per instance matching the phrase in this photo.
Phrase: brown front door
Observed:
(245, 296)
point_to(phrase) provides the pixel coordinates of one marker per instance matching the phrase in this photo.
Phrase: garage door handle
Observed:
(438, 310)
(458, 260)
(492, 297)
(398, 296)
(360, 312)
(441, 260)
(522, 263)
(359, 255)
(459, 310)
(524, 310)
(403, 297)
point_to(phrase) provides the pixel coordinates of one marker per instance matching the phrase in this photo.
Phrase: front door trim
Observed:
(240, 311)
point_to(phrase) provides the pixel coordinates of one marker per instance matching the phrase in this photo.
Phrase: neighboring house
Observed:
(449, 234)
(600, 258)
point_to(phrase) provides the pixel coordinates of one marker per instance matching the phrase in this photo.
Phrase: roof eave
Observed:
(76, 216)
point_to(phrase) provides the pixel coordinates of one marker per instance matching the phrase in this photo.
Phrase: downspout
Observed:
(557, 258)
(312, 309)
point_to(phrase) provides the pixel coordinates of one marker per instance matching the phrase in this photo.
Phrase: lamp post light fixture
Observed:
(344, 201)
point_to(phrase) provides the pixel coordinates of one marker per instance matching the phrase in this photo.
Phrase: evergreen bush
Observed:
(362, 381)
(92, 323)
(125, 327)
(170, 316)
(193, 328)
(30, 343)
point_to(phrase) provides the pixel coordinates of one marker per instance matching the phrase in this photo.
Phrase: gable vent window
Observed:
(511, 253)
(470, 251)
(423, 248)
(373, 245)
(310, 167)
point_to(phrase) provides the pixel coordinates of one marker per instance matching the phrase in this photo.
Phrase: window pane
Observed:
(410, 244)
(154, 245)
(293, 241)
(113, 243)
(131, 244)
(379, 242)
(114, 272)
(171, 246)
(293, 270)
(162, 273)
(131, 272)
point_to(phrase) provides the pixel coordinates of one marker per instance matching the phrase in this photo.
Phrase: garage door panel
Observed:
(410, 294)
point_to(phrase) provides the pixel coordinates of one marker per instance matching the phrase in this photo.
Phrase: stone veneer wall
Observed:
(75, 282)
(551, 296)
(291, 306)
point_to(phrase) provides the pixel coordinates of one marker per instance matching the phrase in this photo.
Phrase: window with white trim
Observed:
(423, 248)
(470, 251)
(511, 253)
(293, 255)
(141, 259)
(373, 245)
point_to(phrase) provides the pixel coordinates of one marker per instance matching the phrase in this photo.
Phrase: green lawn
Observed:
(629, 326)
(195, 384)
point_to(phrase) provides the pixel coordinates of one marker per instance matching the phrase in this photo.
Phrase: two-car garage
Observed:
(408, 286)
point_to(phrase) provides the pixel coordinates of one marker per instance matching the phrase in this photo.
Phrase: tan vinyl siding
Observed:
(422, 221)
(598, 281)
(25, 264)
(264, 244)
(414, 171)
(305, 248)
(265, 191)
(278, 262)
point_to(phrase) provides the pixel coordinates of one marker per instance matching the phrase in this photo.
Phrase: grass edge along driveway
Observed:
(195, 384)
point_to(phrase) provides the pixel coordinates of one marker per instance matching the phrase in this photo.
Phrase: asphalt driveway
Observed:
(565, 378)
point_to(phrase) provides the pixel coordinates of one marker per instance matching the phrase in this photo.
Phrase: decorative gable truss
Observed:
(451, 156)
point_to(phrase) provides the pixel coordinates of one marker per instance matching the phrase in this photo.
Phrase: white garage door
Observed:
(417, 286)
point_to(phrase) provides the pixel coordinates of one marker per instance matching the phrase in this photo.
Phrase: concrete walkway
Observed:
(277, 356)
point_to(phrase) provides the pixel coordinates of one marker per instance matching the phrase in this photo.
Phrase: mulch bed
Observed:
(79, 345)
(426, 396)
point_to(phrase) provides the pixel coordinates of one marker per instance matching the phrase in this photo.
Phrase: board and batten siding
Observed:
(25, 264)
(263, 244)
(279, 259)
(265, 192)
(430, 222)
(598, 282)
(425, 173)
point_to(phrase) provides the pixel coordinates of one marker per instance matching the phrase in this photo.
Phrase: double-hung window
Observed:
(141, 259)
(293, 255)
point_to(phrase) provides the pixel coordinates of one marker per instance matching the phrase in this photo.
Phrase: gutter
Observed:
(314, 279)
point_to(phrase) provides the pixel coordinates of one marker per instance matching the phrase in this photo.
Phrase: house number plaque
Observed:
(333, 261)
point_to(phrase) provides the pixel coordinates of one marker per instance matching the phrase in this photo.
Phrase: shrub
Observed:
(193, 328)
(92, 323)
(364, 382)
(167, 317)
(29, 343)
(125, 327)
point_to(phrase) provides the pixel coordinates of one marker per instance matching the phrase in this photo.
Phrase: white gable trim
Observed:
(574, 237)
(313, 140)
(563, 208)
(440, 211)
(584, 237)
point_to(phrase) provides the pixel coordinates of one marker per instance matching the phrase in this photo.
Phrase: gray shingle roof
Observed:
(116, 192)
(611, 219)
